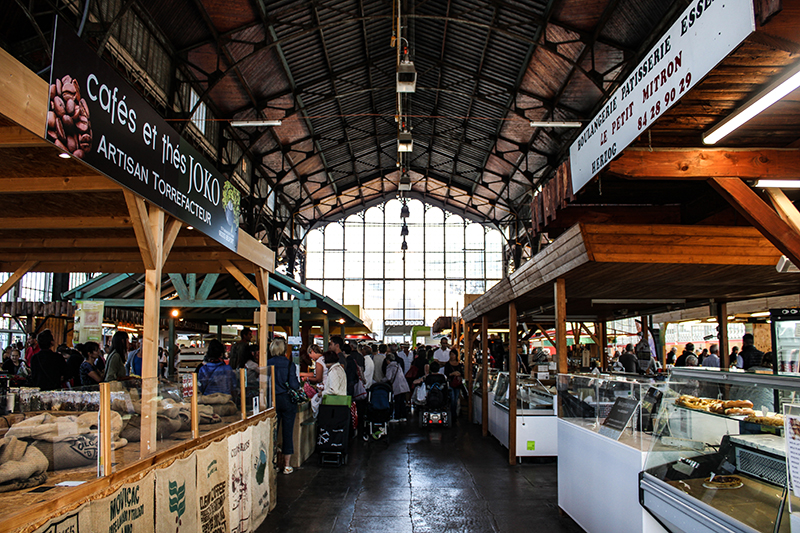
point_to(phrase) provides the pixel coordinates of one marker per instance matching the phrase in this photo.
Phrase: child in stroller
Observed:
(380, 406)
(432, 396)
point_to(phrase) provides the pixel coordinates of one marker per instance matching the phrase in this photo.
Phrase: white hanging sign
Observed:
(705, 33)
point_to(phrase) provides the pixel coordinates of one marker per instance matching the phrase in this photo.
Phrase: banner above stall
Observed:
(705, 33)
(97, 117)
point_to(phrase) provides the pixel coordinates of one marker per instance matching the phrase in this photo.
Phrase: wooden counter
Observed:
(305, 435)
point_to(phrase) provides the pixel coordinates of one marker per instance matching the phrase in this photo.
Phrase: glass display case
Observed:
(533, 398)
(717, 461)
(785, 326)
(477, 383)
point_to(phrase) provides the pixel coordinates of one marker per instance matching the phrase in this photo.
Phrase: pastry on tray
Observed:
(723, 482)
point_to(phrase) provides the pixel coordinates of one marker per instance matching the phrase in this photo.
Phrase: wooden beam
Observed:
(180, 286)
(25, 95)
(784, 207)
(16, 276)
(45, 222)
(148, 244)
(484, 375)
(560, 297)
(512, 382)
(254, 251)
(205, 288)
(760, 215)
(594, 337)
(468, 366)
(16, 137)
(694, 163)
(544, 332)
(241, 278)
(171, 231)
(44, 185)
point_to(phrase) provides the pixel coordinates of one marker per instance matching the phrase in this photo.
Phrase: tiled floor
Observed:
(423, 481)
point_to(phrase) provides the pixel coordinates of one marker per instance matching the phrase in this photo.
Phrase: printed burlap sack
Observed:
(77, 521)
(176, 497)
(212, 488)
(259, 472)
(130, 509)
(239, 465)
(165, 427)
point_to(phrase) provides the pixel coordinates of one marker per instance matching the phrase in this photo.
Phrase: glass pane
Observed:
(476, 287)
(373, 265)
(394, 299)
(434, 265)
(334, 237)
(415, 265)
(353, 264)
(475, 264)
(373, 297)
(315, 285)
(474, 237)
(434, 295)
(454, 264)
(314, 264)
(494, 241)
(394, 263)
(494, 265)
(334, 263)
(333, 289)
(354, 292)
(455, 295)
(354, 233)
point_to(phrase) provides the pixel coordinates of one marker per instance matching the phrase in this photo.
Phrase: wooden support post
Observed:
(171, 357)
(326, 332)
(722, 323)
(194, 413)
(262, 282)
(272, 385)
(105, 429)
(484, 375)
(243, 392)
(512, 383)
(561, 325)
(602, 335)
(296, 319)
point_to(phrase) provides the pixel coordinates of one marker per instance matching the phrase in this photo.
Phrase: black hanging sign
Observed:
(97, 117)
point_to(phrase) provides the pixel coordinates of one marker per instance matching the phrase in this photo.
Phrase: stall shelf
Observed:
(707, 470)
(597, 473)
(536, 417)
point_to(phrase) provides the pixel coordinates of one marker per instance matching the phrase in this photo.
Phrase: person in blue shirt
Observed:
(215, 376)
(285, 376)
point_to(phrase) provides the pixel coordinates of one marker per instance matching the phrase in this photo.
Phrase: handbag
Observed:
(412, 372)
(295, 395)
(456, 382)
(309, 389)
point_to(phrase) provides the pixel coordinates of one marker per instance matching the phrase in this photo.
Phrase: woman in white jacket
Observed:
(336, 378)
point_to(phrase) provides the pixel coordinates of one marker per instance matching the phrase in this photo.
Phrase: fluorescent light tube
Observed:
(778, 184)
(555, 124)
(241, 123)
(762, 101)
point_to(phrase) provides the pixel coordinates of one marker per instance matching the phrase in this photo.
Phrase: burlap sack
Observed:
(239, 466)
(19, 463)
(176, 497)
(216, 398)
(31, 482)
(225, 409)
(130, 509)
(259, 472)
(212, 489)
(66, 441)
(165, 427)
(76, 521)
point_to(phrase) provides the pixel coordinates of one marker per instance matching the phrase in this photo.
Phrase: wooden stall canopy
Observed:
(611, 271)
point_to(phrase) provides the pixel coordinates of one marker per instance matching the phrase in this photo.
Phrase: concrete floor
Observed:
(423, 481)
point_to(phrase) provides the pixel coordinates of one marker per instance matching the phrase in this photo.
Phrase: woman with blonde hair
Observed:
(285, 378)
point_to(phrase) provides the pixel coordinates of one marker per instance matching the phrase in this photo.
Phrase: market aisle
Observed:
(421, 482)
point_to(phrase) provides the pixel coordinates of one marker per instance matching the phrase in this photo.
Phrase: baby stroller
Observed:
(380, 406)
(436, 409)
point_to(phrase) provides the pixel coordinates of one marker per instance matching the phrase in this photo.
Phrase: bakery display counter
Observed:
(710, 471)
(594, 458)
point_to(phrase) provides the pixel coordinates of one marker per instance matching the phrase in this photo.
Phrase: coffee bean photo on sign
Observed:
(69, 126)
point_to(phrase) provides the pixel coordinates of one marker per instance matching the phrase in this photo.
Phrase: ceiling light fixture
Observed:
(405, 143)
(404, 212)
(785, 84)
(404, 246)
(405, 182)
(404, 231)
(64, 155)
(759, 314)
(555, 124)
(778, 184)
(406, 77)
(256, 122)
